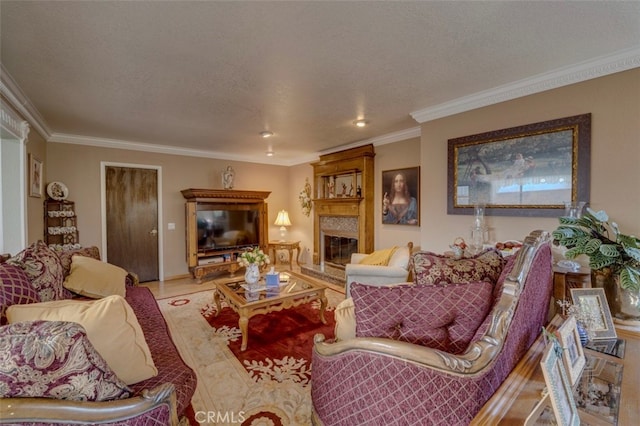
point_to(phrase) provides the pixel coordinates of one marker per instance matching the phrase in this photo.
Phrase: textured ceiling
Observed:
(210, 76)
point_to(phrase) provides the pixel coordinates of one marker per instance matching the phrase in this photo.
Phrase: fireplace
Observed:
(338, 239)
(342, 221)
(337, 250)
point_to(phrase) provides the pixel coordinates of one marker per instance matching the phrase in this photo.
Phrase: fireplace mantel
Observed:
(357, 165)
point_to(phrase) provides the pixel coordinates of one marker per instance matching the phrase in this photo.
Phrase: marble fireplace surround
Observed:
(344, 228)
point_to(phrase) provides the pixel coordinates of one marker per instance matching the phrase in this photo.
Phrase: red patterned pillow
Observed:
(436, 269)
(15, 289)
(55, 359)
(444, 318)
(44, 269)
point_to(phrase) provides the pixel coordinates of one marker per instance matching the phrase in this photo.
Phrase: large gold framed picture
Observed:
(529, 170)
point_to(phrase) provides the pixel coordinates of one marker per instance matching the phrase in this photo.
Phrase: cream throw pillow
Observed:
(345, 315)
(111, 327)
(94, 278)
(379, 257)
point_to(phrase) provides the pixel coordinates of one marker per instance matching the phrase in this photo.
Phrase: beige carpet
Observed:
(227, 391)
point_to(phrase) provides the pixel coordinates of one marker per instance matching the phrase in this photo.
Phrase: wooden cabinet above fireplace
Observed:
(343, 187)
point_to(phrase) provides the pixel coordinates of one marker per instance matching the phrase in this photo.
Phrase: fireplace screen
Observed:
(337, 250)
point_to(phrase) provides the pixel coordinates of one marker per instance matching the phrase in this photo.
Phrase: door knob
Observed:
(153, 232)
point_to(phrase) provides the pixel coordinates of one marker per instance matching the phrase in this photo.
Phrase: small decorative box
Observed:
(273, 279)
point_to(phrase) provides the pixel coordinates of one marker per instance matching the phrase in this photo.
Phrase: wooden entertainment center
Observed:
(205, 260)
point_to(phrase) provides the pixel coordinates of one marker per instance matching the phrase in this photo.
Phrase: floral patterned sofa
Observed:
(435, 350)
(51, 373)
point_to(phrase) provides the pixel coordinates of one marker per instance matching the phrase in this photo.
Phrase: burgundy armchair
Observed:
(382, 380)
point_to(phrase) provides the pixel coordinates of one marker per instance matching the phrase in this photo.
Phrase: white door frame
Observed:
(103, 208)
(13, 182)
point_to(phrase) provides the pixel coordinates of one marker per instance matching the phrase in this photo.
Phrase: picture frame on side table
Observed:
(573, 356)
(594, 302)
(559, 388)
(401, 196)
(528, 170)
(35, 176)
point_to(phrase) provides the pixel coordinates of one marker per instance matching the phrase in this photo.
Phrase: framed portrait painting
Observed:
(401, 196)
(35, 176)
(529, 170)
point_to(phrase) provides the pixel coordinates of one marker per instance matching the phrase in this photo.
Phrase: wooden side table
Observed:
(521, 391)
(290, 246)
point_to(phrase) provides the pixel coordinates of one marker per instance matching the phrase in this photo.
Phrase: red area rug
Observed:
(269, 382)
(277, 338)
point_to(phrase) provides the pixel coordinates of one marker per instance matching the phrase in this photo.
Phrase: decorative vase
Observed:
(573, 209)
(479, 229)
(584, 335)
(252, 274)
(623, 304)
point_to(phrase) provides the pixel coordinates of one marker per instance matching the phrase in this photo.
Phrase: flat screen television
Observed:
(221, 229)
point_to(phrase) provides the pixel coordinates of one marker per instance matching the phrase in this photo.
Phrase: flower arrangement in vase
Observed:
(253, 260)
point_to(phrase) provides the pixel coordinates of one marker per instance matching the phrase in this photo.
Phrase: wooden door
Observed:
(131, 196)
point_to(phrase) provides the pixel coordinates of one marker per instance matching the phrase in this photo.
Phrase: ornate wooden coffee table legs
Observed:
(286, 299)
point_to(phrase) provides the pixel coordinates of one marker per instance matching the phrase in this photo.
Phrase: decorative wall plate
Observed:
(58, 191)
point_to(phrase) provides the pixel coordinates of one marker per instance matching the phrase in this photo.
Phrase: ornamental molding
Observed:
(10, 90)
(588, 70)
(220, 195)
(13, 123)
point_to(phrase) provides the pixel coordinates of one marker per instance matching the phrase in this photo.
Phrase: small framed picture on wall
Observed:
(35, 176)
(401, 196)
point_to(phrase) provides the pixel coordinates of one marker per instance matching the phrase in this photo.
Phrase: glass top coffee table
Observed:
(294, 290)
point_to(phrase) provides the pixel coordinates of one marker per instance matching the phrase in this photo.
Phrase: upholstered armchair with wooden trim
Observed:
(394, 270)
(395, 373)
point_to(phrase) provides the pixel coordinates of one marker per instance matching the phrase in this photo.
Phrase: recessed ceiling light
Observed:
(266, 134)
(361, 123)
(270, 153)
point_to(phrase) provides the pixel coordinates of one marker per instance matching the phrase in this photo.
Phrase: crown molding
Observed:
(413, 132)
(620, 61)
(18, 100)
(401, 135)
(146, 147)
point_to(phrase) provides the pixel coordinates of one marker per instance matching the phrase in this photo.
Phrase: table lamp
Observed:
(282, 221)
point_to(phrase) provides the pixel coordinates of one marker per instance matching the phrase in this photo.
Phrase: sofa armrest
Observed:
(357, 257)
(375, 270)
(157, 406)
(476, 358)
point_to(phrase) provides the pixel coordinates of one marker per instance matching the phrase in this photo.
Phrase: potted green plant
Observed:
(614, 258)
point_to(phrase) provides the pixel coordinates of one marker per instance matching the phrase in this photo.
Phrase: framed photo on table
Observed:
(559, 387)
(572, 351)
(528, 170)
(593, 301)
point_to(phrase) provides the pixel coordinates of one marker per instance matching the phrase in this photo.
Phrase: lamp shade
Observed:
(282, 219)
